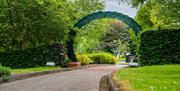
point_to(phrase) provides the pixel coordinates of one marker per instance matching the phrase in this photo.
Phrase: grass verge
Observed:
(31, 70)
(121, 59)
(149, 78)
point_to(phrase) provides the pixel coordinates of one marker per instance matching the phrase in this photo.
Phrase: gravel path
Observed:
(77, 80)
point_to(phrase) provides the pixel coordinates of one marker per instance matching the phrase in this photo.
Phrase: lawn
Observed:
(30, 70)
(121, 59)
(150, 78)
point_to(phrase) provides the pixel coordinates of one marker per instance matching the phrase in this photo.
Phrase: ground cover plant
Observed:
(5, 73)
(150, 78)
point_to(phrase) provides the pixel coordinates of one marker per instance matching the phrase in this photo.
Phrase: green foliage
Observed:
(6, 78)
(95, 38)
(88, 38)
(5, 73)
(133, 43)
(122, 58)
(103, 58)
(32, 23)
(26, 25)
(83, 59)
(103, 35)
(81, 8)
(33, 57)
(143, 16)
(159, 47)
(159, 13)
(116, 39)
(134, 3)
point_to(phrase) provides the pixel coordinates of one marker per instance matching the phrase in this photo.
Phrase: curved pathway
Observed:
(76, 80)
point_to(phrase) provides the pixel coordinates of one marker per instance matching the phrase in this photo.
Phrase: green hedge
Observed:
(159, 47)
(103, 58)
(33, 57)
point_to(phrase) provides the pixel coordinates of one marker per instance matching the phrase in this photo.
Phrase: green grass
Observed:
(31, 70)
(151, 78)
(121, 59)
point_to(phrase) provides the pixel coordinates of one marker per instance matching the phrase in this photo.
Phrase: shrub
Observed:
(5, 73)
(159, 47)
(103, 58)
(33, 57)
(83, 59)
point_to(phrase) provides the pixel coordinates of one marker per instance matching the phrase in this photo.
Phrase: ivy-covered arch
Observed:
(99, 15)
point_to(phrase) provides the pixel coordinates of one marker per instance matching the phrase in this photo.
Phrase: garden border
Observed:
(35, 74)
(109, 83)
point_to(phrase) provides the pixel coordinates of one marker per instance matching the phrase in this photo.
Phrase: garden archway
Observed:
(94, 16)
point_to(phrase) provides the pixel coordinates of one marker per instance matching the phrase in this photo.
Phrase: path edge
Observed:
(36, 74)
(109, 83)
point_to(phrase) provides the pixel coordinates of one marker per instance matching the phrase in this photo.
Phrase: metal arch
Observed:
(108, 14)
(98, 15)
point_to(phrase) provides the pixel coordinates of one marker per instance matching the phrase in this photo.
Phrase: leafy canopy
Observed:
(32, 23)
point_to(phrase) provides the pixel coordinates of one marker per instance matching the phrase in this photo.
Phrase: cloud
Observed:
(113, 5)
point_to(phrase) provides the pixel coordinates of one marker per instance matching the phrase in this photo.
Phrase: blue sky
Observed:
(113, 5)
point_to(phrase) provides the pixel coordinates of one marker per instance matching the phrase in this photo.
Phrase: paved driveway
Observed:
(77, 80)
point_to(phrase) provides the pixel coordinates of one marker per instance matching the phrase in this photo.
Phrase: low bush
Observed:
(159, 47)
(4, 73)
(34, 57)
(83, 59)
(103, 58)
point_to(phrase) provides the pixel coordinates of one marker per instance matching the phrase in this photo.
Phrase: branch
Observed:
(10, 16)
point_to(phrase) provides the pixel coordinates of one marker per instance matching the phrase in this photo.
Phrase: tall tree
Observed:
(117, 38)
(30, 23)
(81, 8)
(89, 37)
(159, 12)
(143, 17)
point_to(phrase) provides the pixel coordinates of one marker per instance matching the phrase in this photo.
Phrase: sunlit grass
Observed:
(121, 59)
(151, 78)
(30, 70)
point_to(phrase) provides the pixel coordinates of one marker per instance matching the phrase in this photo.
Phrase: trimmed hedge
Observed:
(159, 47)
(83, 59)
(33, 57)
(103, 58)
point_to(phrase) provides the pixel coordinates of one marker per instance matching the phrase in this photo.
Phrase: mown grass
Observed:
(121, 59)
(150, 78)
(31, 70)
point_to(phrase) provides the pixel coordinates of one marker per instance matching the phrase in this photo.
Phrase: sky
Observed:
(113, 5)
